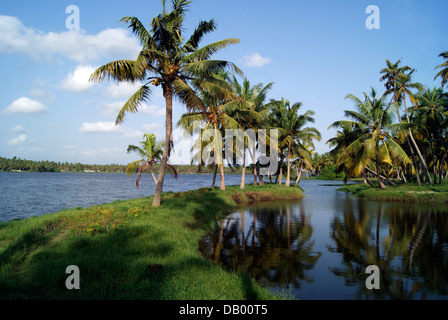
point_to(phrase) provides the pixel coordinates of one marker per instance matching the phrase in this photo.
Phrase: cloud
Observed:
(78, 80)
(22, 138)
(18, 129)
(74, 44)
(100, 127)
(255, 61)
(25, 105)
(152, 127)
(112, 109)
(42, 95)
(121, 90)
(152, 109)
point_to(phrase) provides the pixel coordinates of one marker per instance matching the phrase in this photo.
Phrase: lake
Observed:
(319, 248)
(28, 194)
(314, 248)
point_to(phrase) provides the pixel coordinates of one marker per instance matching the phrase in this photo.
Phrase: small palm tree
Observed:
(444, 72)
(150, 153)
(375, 145)
(167, 60)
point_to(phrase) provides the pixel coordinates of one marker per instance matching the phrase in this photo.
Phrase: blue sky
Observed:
(315, 52)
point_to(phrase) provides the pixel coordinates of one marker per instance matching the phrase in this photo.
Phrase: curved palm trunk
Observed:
(168, 130)
(422, 160)
(299, 172)
(288, 170)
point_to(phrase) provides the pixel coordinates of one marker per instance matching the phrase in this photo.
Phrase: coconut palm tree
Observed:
(398, 82)
(151, 153)
(249, 111)
(291, 126)
(209, 111)
(444, 72)
(375, 144)
(166, 60)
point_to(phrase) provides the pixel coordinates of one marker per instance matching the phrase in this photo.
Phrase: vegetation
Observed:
(412, 150)
(401, 192)
(167, 60)
(129, 250)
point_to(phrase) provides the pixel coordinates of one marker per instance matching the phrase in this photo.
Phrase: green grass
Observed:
(118, 248)
(401, 192)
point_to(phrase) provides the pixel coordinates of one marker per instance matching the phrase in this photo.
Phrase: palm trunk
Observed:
(380, 181)
(168, 131)
(422, 160)
(153, 176)
(288, 170)
(243, 174)
(299, 173)
(255, 166)
(221, 170)
(214, 175)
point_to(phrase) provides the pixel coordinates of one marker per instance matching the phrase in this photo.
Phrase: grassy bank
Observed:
(401, 192)
(128, 250)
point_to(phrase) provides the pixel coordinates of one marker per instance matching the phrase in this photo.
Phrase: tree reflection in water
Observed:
(408, 242)
(273, 243)
(321, 247)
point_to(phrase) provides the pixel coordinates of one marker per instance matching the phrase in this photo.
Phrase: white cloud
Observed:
(25, 105)
(75, 44)
(78, 80)
(112, 109)
(152, 109)
(22, 138)
(152, 127)
(18, 129)
(100, 126)
(121, 90)
(255, 61)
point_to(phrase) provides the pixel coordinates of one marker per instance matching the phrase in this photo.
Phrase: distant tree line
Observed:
(23, 165)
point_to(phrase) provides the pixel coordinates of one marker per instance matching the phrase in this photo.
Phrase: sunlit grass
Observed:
(128, 250)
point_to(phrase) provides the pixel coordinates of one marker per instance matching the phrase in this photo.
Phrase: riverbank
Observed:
(400, 192)
(128, 250)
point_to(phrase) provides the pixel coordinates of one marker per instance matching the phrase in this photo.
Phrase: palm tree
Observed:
(249, 111)
(430, 117)
(209, 110)
(398, 82)
(444, 72)
(150, 153)
(167, 61)
(292, 128)
(375, 145)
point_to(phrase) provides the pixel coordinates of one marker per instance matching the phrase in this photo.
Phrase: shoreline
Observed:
(128, 250)
(411, 193)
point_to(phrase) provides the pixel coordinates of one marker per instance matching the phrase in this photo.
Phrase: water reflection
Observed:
(273, 243)
(320, 247)
(409, 243)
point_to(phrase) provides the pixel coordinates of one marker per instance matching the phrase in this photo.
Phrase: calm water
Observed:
(24, 194)
(319, 247)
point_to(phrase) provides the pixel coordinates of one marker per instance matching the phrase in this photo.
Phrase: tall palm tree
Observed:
(444, 72)
(209, 111)
(375, 144)
(430, 117)
(166, 60)
(291, 126)
(249, 111)
(151, 153)
(398, 82)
